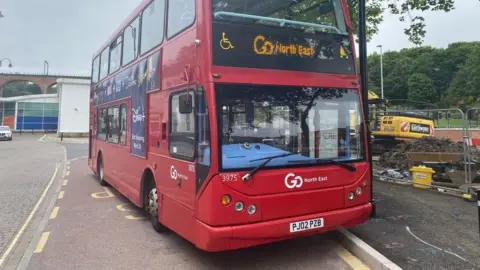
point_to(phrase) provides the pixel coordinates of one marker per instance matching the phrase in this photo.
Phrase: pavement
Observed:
(78, 224)
(26, 169)
(422, 229)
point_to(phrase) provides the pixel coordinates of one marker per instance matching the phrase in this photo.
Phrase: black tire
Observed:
(152, 206)
(101, 175)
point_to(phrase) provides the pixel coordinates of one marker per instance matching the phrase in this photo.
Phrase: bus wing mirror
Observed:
(185, 104)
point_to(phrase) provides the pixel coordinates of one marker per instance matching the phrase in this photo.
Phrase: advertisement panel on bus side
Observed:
(133, 82)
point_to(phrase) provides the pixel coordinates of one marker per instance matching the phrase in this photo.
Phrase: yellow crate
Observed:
(422, 176)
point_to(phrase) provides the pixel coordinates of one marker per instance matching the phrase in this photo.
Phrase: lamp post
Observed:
(362, 42)
(9, 62)
(46, 66)
(381, 68)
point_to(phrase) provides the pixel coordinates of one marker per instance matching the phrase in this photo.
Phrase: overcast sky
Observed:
(66, 33)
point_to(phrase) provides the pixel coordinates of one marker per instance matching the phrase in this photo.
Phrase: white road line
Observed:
(75, 159)
(24, 226)
(42, 138)
(446, 251)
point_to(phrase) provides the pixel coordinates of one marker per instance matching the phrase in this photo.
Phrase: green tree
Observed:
(420, 89)
(20, 88)
(465, 85)
(402, 8)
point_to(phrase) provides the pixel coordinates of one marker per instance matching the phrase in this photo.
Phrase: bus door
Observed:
(182, 147)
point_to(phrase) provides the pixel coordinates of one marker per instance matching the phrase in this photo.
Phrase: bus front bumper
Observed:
(240, 236)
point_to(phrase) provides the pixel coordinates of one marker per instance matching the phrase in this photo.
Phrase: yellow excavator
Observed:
(391, 128)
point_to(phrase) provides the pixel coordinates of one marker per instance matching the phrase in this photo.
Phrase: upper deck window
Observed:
(130, 43)
(308, 15)
(152, 25)
(181, 14)
(115, 54)
(104, 63)
(95, 69)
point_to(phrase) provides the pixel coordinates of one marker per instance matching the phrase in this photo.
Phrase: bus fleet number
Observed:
(229, 177)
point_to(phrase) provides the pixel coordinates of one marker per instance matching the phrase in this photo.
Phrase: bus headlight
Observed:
(351, 196)
(359, 191)
(239, 206)
(252, 209)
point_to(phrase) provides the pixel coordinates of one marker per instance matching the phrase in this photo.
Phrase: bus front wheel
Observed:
(153, 206)
(101, 175)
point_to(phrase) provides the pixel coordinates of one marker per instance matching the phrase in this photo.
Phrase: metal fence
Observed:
(455, 169)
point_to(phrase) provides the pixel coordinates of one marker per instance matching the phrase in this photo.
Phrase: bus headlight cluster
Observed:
(239, 206)
(351, 196)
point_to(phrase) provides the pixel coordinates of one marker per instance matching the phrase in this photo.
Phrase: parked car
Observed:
(6, 133)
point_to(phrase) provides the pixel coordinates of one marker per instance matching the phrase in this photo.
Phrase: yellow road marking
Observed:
(350, 259)
(121, 208)
(42, 242)
(54, 212)
(24, 226)
(130, 217)
(103, 194)
(61, 194)
(65, 182)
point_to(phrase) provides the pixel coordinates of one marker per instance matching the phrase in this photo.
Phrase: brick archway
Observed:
(41, 80)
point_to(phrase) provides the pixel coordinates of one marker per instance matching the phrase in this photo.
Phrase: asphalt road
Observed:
(76, 150)
(95, 228)
(26, 167)
(419, 229)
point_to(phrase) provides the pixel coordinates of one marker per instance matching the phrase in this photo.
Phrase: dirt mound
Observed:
(397, 157)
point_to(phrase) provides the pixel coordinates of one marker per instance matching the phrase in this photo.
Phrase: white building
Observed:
(66, 112)
(74, 102)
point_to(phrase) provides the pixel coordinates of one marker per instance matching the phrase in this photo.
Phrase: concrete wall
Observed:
(74, 97)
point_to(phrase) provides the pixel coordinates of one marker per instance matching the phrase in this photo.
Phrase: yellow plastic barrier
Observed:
(422, 176)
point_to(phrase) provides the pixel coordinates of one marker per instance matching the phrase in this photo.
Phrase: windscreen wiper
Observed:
(329, 161)
(249, 175)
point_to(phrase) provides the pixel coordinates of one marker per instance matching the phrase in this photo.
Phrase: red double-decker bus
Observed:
(232, 122)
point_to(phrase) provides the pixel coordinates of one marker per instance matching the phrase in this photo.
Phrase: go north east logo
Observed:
(296, 181)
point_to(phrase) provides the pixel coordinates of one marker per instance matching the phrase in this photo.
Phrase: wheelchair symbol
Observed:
(225, 43)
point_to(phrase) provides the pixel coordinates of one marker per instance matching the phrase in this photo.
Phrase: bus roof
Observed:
(124, 24)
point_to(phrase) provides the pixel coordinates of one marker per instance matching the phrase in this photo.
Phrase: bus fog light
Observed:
(252, 209)
(239, 206)
(359, 191)
(226, 199)
(364, 184)
(351, 196)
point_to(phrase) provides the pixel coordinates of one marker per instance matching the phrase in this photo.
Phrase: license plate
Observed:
(306, 225)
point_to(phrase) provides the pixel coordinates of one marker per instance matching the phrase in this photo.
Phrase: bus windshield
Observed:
(308, 15)
(313, 122)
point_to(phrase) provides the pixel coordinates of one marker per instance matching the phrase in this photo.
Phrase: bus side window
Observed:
(181, 137)
(123, 124)
(181, 14)
(203, 134)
